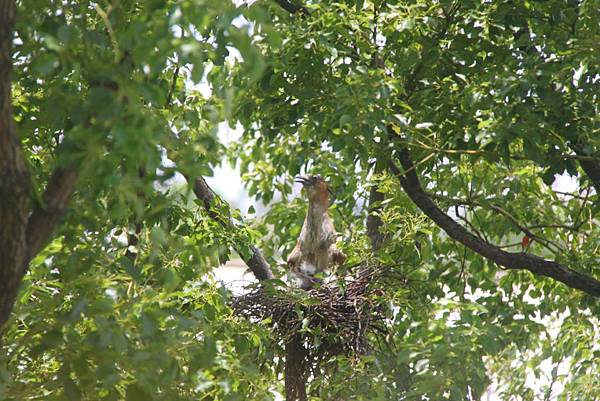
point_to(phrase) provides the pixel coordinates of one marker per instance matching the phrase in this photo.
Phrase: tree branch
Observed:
(514, 261)
(374, 222)
(295, 369)
(173, 84)
(45, 216)
(14, 176)
(257, 263)
(291, 7)
(496, 208)
(133, 239)
(592, 169)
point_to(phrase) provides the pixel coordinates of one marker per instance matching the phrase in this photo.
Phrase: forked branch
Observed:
(47, 215)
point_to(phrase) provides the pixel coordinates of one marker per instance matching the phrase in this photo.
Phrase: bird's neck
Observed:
(317, 208)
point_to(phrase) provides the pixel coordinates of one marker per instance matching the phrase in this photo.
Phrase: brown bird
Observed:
(315, 249)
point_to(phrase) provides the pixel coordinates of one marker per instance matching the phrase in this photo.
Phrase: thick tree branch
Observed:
(472, 203)
(539, 266)
(291, 7)
(257, 263)
(22, 234)
(592, 169)
(47, 215)
(295, 352)
(14, 176)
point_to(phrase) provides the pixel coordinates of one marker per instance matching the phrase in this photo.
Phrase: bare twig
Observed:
(374, 222)
(472, 152)
(572, 195)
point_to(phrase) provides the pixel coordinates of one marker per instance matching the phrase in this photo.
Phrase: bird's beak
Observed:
(303, 180)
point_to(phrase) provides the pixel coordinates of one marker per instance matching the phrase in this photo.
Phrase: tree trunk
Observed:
(14, 177)
(295, 370)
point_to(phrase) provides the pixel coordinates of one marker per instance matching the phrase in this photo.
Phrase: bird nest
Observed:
(332, 319)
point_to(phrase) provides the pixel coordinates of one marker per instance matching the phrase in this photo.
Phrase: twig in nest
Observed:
(332, 320)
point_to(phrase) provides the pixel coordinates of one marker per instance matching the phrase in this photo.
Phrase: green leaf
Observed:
(135, 392)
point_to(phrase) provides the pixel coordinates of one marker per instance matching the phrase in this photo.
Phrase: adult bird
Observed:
(315, 249)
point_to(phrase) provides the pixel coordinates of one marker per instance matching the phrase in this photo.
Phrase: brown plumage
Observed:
(315, 249)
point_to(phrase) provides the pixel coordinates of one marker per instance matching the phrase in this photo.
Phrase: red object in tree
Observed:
(525, 242)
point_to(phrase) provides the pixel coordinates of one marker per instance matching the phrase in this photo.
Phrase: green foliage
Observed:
(491, 98)
(106, 88)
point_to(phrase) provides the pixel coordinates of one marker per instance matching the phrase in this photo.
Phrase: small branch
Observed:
(134, 239)
(513, 261)
(561, 226)
(257, 263)
(471, 226)
(525, 229)
(463, 274)
(510, 245)
(46, 216)
(474, 152)
(580, 209)
(175, 77)
(111, 33)
(374, 222)
(173, 85)
(584, 198)
(476, 216)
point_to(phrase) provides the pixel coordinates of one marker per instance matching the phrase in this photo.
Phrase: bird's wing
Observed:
(294, 256)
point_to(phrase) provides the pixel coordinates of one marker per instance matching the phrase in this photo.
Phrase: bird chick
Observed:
(315, 249)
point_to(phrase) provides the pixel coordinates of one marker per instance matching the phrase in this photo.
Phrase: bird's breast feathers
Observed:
(317, 234)
(308, 268)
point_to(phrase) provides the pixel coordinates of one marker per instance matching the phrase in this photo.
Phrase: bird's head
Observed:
(316, 188)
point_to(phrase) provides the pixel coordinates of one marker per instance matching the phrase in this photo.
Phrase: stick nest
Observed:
(333, 318)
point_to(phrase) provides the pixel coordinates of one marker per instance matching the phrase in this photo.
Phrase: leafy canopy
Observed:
(491, 99)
